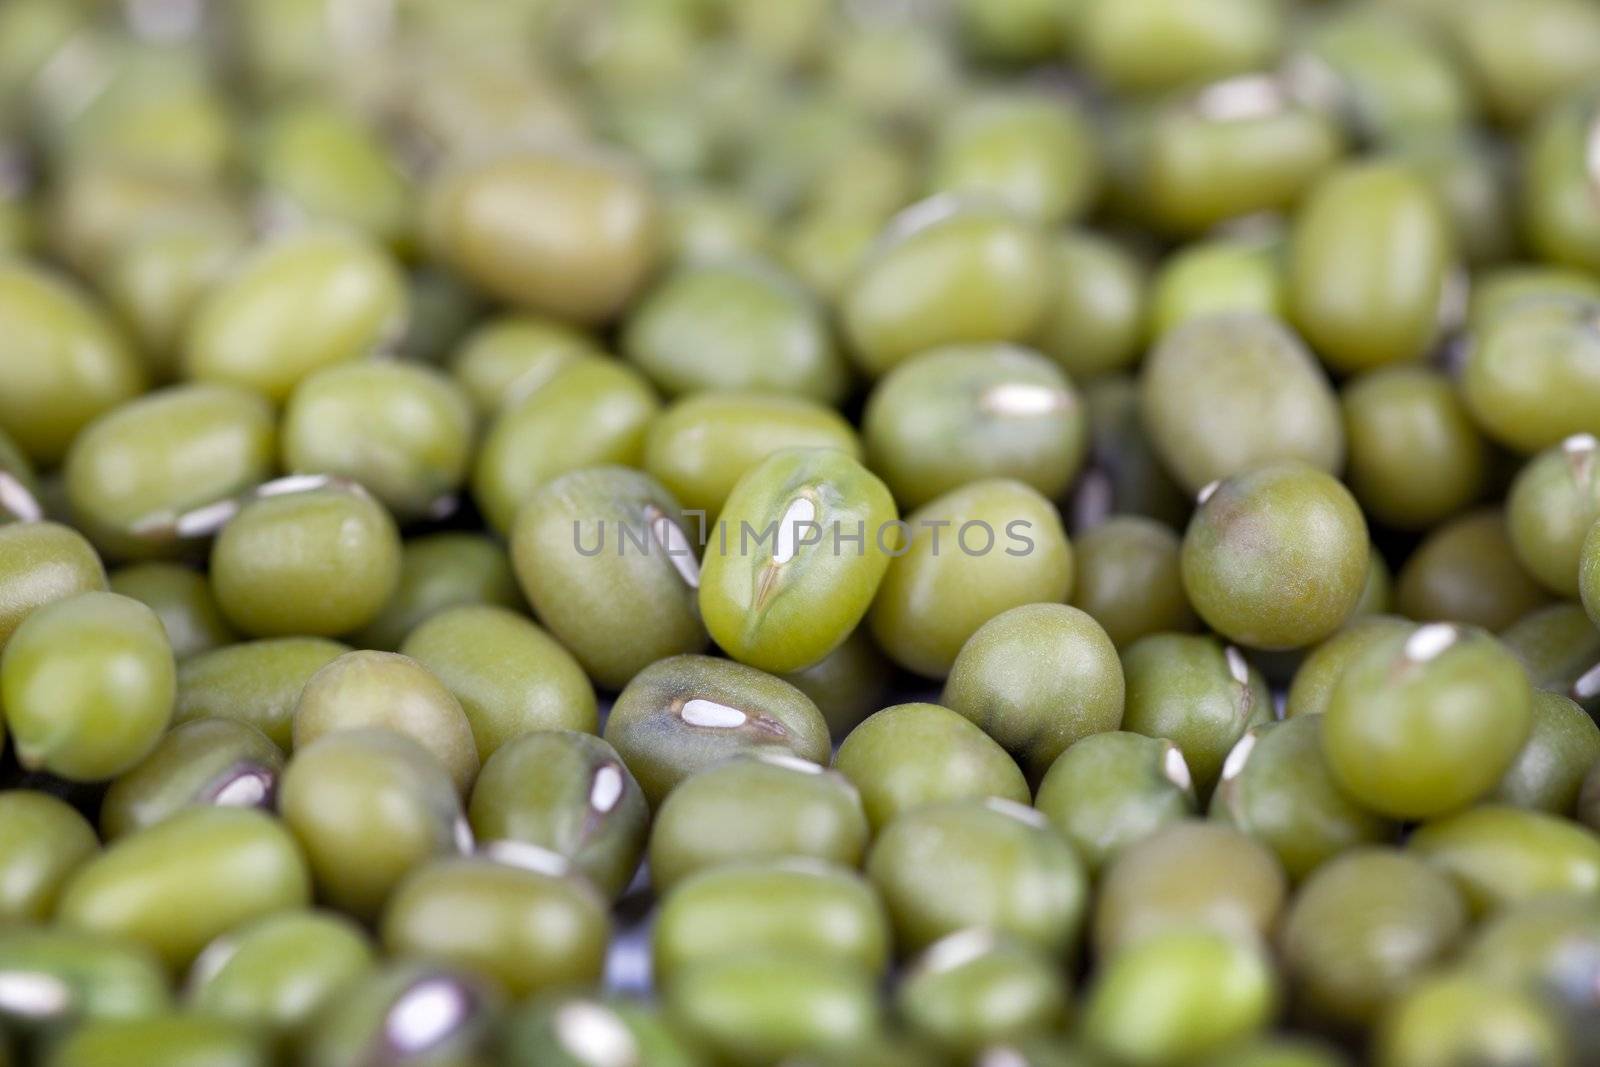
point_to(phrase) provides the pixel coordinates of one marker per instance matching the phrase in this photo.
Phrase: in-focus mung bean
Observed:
(1038, 678)
(1423, 722)
(618, 609)
(378, 383)
(1111, 790)
(1197, 693)
(832, 528)
(569, 793)
(685, 713)
(318, 563)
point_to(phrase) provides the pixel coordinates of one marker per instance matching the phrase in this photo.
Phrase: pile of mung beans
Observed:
(799, 533)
